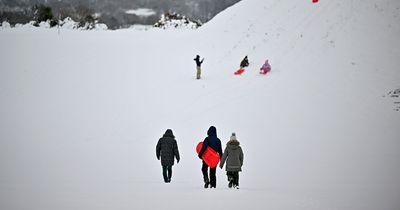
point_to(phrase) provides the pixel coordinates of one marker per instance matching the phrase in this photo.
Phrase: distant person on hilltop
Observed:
(265, 68)
(198, 65)
(244, 63)
(233, 155)
(167, 150)
(214, 143)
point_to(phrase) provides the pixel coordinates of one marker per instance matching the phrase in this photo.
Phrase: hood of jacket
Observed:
(212, 131)
(169, 133)
(233, 144)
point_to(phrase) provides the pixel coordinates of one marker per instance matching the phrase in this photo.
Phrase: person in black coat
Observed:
(211, 141)
(244, 63)
(167, 150)
(198, 65)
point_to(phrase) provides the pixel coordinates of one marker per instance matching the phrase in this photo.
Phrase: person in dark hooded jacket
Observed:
(198, 66)
(244, 62)
(233, 155)
(211, 141)
(167, 150)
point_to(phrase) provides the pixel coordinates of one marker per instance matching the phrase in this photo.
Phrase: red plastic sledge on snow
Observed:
(210, 156)
(239, 72)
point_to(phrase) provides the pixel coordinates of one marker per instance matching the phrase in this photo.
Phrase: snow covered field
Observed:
(81, 111)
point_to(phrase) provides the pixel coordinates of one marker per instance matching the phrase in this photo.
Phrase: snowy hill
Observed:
(81, 112)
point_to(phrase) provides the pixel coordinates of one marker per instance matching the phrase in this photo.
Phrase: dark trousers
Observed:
(213, 178)
(167, 173)
(233, 178)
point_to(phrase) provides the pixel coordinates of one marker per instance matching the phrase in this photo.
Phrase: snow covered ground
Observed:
(81, 111)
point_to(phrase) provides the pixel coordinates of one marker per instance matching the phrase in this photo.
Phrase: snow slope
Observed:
(81, 112)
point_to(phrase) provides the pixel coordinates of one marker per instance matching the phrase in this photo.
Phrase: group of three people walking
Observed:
(167, 150)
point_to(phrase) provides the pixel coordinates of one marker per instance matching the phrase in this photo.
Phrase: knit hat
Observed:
(233, 137)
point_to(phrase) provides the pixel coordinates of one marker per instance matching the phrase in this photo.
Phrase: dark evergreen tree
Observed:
(42, 13)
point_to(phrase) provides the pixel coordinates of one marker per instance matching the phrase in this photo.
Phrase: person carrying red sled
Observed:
(233, 155)
(210, 141)
(265, 68)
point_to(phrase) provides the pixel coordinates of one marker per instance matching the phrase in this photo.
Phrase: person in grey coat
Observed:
(233, 155)
(167, 150)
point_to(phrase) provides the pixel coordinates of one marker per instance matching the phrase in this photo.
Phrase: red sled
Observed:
(239, 72)
(264, 71)
(210, 156)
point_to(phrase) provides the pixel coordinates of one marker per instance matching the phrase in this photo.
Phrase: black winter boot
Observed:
(206, 182)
